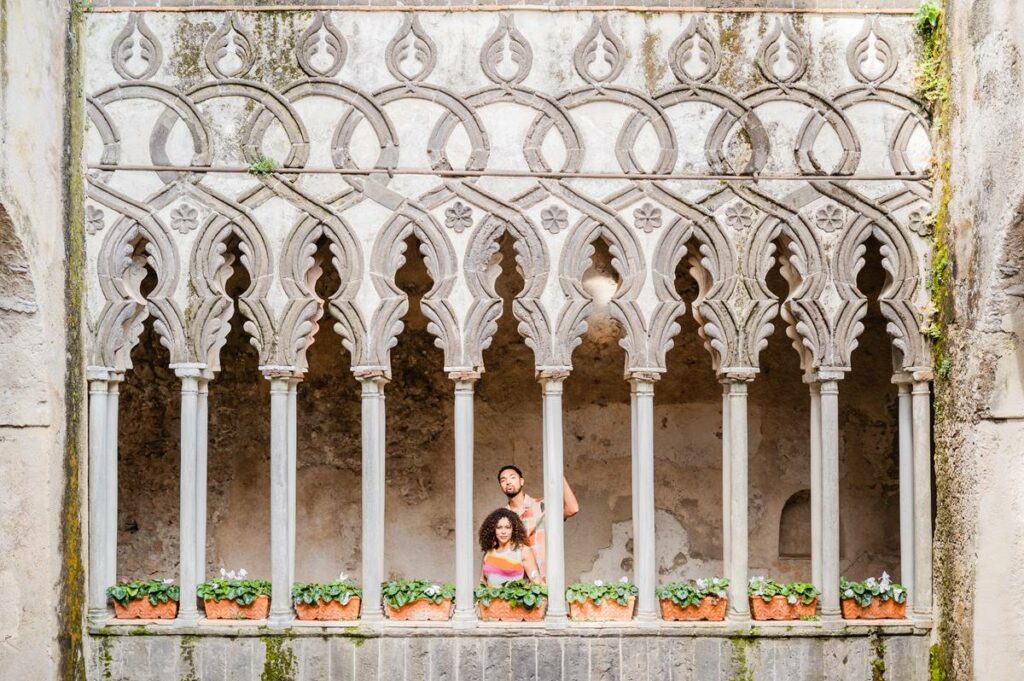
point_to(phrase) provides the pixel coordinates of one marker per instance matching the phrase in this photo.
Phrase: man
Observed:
(531, 510)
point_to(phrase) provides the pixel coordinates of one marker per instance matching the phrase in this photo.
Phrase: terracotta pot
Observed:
(503, 611)
(779, 608)
(142, 609)
(711, 609)
(421, 610)
(230, 610)
(876, 610)
(333, 611)
(608, 611)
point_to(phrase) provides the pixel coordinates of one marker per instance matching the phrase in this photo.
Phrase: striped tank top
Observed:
(503, 566)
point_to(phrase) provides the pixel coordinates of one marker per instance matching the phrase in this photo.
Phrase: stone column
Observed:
(906, 472)
(829, 388)
(99, 469)
(202, 450)
(921, 408)
(739, 607)
(816, 491)
(554, 521)
(189, 374)
(373, 383)
(645, 566)
(293, 389)
(465, 535)
(726, 482)
(280, 513)
(110, 489)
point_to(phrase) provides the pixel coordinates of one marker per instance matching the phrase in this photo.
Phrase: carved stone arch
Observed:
(137, 239)
(386, 259)
(210, 271)
(628, 262)
(299, 272)
(481, 271)
(895, 300)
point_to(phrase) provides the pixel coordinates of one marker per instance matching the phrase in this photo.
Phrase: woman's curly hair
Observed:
(488, 530)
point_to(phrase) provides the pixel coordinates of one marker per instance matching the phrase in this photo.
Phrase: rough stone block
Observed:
(549, 659)
(342, 659)
(605, 660)
(393, 659)
(313, 658)
(708, 660)
(470, 665)
(682, 658)
(367, 659)
(634, 658)
(213, 653)
(497, 659)
(240, 656)
(524, 659)
(576, 659)
(442, 659)
(417, 659)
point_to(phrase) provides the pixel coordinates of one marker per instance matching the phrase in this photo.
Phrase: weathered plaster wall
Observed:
(32, 338)
(979, 540)
(420, 501)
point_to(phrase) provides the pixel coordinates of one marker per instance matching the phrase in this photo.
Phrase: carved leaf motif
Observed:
(506, 57)
(411, 54)
(783, 54)
(322, 48)
(694, 56)
(136, 52)
(599, 57)
(870, 56)
(229, 52)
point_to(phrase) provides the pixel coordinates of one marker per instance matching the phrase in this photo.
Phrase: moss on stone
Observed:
(188, 662)
(936, 664)
(877, 657)
(277, 33)
(740, 670)
(106, 657)
(186, 56)
(653, 63)
(279, 659)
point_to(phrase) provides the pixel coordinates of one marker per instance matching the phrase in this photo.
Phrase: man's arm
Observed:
(571, 506)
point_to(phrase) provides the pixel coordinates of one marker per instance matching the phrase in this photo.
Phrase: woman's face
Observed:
(503, 531)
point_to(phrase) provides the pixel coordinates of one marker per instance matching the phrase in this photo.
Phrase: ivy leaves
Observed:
(241, 591)
(156, 590)
(519, 593)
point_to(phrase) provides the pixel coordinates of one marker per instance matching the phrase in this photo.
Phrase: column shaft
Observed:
(293, 389)
(373, 496)
(202, 452)
(829, 499)
(98, 470)
(187, 610)
(465, 539)
(816, 491)
(726, 482)
(645, 568)
(554, 520)
(906, 472)
(280, 596)
(110, 447)
(739, 606)
(922, 593)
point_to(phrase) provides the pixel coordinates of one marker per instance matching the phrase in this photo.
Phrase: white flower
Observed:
(870, 581)
(342, 577)
(702, 584)
(242, 573)
(168, 581)
(598, 582)
(792, 599)
(848, 593)
(346, 598)
(223, 573)
(624, 579)
(432, 590)
(721, 594)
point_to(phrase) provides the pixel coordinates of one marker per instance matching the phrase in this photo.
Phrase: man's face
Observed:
(510, 483)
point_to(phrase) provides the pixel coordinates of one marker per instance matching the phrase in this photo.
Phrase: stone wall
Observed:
(593, 654)
(979, 541)
(38, 591)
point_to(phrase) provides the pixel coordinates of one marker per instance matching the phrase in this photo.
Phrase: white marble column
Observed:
(98, 517)
(816, 490)
(554, 521)
(280, 590)
(373, 493)
(293, 389)
(906, 473)
(739, 606)
(829, 388)
(726, 482)
(202, 451)
(110, 446)
(645, 567)
(921, 408)
(465, 535)
(189, 374)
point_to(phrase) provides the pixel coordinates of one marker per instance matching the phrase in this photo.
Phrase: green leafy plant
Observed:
(685, 594)
(262, 165)
(519, 593)
(597, 591)
(932, 80)
(235, 587)
(871, 588)
(156, 590)
(927, 17)
(399, 592)
(793, 591)
(82, 6)
(341, 590)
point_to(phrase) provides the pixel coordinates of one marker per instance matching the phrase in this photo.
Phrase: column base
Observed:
(648, 620)
(556, 621)
(831, 616)
(187, 618)
(98, 616)
(280, 619)
(373, 618)
(464, 619)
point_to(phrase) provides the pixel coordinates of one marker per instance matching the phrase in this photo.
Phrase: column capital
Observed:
(468, 376)
(552, 373)
(922, 374)
(902, 378)
(277, 371)
(825, 374)
(921, 388)
(98, 373)
(645, 375)
(364, 374)
(188, 370)
(737, 375)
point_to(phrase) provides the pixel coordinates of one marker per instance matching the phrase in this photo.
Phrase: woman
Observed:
(507, 555)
